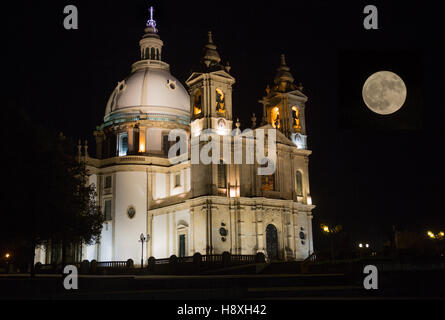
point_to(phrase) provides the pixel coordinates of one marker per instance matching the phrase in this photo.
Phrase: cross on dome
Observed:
(151, 23)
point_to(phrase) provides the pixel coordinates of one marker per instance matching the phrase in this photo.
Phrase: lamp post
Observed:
(8, 259)
(331, 232)
(142, 239)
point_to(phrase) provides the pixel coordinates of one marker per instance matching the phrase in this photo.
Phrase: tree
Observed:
(48, 200)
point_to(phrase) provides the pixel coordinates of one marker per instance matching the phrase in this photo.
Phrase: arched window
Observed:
(122, 144)
(152, 53)
(222, 175)
(296, 119)
(275, 118)
(197, 105)
(299, 184)
(220, 102)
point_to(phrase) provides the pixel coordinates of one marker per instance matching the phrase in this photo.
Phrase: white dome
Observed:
(149, 91)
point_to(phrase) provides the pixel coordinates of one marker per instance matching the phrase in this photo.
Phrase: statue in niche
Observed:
(296, 118)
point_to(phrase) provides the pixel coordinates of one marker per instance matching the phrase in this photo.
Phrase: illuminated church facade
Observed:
(185, 208)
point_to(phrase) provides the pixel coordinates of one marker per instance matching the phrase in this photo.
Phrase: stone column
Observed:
(309, 233)
(259, 229)
(192, 230)
(99, 142)
(149, 246)
(167, 184)
(174, 234)
(150, 188)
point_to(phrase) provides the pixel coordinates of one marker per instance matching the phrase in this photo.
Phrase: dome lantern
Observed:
(151, 44)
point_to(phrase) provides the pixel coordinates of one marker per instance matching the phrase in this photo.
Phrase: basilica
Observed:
(183, 207)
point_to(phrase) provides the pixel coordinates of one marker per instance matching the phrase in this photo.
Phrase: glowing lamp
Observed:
(7, 256)
(431, 235)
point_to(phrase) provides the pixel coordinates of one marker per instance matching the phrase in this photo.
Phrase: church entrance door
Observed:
(272, 242)
(182, 245)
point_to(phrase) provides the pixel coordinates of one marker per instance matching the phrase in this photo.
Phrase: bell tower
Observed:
(284, 106)
(210, 89)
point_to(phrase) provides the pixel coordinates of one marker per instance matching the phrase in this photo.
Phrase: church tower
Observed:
(210, 88)
(284, 106)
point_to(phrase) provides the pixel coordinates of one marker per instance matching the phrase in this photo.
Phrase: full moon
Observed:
(384, 92)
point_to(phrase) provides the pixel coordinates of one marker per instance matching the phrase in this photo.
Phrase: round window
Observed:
(131, 212)
(302, 236)
(223, 232)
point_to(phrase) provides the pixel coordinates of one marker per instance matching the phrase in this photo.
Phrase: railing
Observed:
(112, 264)
(212, 258)
(185, 259)
(163, 261)
(242, 258)
(305, 263)
(311, 258)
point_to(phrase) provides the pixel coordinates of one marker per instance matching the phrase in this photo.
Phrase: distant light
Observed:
(367, 245)
(309, 200)
(431, 235)
(360, 245)
(325, 228)
(441, 234)
(7, 256)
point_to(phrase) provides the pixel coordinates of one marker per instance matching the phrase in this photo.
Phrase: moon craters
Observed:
(384, 92)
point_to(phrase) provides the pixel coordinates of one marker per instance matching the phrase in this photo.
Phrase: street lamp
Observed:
(440, 235)
(7, 256)
(331, 232)
(142, 239)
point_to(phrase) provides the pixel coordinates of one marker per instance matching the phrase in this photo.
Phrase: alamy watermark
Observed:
(70, 282)
(238, 147)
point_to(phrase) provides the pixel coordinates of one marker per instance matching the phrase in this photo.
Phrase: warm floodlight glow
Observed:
(431, 235)
(7, 256)
(325, 228)
(309, 200)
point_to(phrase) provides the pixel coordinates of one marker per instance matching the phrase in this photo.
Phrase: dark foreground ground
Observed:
(427, 284)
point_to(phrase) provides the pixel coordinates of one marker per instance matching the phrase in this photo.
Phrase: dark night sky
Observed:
(367, 172)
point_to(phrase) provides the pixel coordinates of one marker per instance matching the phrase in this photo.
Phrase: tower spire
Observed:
(211, 55)
(283, 75)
